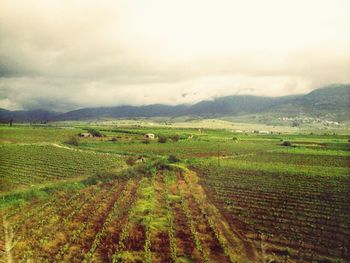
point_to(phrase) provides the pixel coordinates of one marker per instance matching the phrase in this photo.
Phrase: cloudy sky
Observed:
(66, 54)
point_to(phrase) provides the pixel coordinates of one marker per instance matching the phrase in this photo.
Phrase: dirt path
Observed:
(57, 145)
(223, 237)
(160, 242)
(186, 250)
(9, 241)
(80, 150)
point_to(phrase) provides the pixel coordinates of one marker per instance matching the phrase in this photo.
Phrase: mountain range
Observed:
(331, 103)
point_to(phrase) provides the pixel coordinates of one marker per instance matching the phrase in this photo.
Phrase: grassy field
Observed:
(203, 195)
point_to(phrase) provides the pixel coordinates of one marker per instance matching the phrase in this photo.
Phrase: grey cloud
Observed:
(61, 56)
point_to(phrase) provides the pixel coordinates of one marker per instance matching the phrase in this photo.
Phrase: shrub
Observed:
(286, 143)
(295, 124)
(162, 139)
(184, 136)
(162, 165)
(73, 141)
(130, 161)
(145, 169)
(235, 138)
(95, 133)
(173, 159)
(131, 172)
(114, 139)
(175, 138)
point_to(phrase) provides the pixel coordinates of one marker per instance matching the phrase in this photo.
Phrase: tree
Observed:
(175, 138)
(162, 139)
(73, 141)
(173, 159)
(287, 143)
(295, 124)
(131, 160)
(95, 133)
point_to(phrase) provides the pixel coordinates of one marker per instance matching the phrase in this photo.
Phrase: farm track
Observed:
(210, 245)
(185, 246)
(160, 239)
(61, 146)
(7, 245)
(234, 245)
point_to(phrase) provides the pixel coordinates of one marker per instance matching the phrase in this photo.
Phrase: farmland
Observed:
(23, 165)
(201, 195)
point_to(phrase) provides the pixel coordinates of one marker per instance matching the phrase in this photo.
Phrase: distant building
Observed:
(264, 132)
(85, 135)
(149, 136)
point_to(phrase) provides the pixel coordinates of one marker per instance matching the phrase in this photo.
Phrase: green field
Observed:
(203, 195)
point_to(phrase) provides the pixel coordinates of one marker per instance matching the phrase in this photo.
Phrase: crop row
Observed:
(308, 214)
(32, 164)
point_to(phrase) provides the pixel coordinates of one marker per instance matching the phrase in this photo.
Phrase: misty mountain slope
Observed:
(125, 112)
(27, 116)
(332, 102)
(239, 104)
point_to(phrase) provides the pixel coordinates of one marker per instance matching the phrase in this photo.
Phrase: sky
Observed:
(64, 54)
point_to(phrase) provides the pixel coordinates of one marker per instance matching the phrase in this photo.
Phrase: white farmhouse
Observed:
(264, 132)
(149, 136)
(85, 135)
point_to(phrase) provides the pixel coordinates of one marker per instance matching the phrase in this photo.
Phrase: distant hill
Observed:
(332, 102)
(125, 112)
(27, 116)
(238, 105)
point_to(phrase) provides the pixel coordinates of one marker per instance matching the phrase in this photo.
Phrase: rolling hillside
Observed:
(27, 116)
(332, 103)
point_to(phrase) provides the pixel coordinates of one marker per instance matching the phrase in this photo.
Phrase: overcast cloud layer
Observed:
(63, 54)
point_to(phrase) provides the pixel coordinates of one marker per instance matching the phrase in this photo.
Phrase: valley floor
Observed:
(201, 196)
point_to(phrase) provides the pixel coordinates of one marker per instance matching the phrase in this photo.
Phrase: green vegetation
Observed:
(287, 143)
(73, 140)
(162, 139)
(27, 165)
(208, 195)
(279, 202)
(94, 132)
